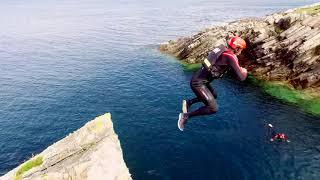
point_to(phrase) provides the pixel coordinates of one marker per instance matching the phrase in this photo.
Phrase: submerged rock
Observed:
(92, 152)
(283, 46)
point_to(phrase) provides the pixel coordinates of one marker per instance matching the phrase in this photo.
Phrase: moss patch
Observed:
(27, 166)
(309, 10)
(191, 67)
(278, 30)
(285, 93)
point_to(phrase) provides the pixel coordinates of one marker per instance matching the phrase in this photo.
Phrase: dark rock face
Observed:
(283, 46)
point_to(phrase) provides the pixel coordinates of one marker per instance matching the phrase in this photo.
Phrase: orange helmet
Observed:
(237, 42)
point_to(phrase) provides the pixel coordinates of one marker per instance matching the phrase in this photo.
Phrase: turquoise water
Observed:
(63, 63)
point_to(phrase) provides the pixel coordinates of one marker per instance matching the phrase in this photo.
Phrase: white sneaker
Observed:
(179, 122)
(184, 106)
(182, 121)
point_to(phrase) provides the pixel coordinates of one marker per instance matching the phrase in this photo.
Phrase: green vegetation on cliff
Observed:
(285, 93)
(191, 67)
(309, 10)
(27, 166)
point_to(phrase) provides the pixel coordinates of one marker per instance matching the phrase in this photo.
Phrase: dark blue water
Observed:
(62, 63)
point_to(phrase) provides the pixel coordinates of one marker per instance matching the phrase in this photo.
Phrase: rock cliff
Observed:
(92, 152)
(283, 46)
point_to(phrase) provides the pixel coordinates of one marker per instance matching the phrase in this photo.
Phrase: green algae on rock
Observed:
(309, 10)
(191, 67)
(285, 93)
(28, 165)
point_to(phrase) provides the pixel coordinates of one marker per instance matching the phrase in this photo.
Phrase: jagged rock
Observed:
(92, 152)
(283, 46)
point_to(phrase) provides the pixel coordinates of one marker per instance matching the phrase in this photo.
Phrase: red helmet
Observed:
(237, 42)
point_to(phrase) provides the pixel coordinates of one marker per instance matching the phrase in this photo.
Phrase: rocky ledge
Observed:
(281, 47)
(92, 152)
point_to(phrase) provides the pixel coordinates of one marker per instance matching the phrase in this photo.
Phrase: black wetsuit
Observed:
(200, 83)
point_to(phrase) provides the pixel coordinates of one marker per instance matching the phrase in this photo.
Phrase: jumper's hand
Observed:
(244, 70)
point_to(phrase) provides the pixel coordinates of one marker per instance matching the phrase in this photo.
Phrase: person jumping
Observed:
(219, 61)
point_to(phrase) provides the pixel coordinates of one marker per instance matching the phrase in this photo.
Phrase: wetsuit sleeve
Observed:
(232, 61)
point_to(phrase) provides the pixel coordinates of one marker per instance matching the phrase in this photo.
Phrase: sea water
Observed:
(62, 63)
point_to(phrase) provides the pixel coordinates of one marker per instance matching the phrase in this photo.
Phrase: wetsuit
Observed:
(200, 83)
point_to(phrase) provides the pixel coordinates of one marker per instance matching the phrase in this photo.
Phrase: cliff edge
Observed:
(91, 152)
